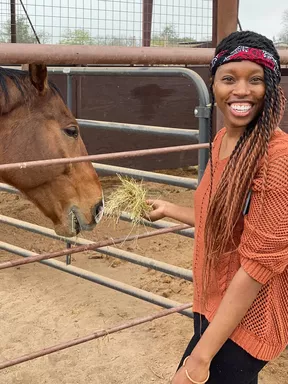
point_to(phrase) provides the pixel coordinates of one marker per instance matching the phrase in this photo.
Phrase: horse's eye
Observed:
(71, 132)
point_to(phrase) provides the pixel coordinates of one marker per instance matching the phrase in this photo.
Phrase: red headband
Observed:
(255, 55)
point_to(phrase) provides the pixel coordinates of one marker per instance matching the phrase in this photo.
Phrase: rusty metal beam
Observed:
(225, 21)
(214, 23)
(227, 18)
(147, 22)
(13, 21)
(77, 54)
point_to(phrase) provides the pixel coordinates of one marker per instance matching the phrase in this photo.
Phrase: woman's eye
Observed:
(256, 80)
(71, 132)
(228, 79)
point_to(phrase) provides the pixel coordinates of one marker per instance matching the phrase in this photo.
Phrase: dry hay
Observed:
(131, 198)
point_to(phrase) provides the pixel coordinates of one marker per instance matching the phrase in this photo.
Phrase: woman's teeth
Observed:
(241, 107)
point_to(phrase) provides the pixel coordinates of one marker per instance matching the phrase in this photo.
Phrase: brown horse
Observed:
(36, 124)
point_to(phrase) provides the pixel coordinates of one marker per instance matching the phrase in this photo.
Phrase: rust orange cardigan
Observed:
(262, 252)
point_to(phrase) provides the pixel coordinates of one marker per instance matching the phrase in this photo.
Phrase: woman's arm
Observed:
(163, 209)
(238, 298)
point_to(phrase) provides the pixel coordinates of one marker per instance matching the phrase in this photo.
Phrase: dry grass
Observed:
(130, 197)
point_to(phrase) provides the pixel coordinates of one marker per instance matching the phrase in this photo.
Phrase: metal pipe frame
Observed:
(227, 18)
(95, 278)
(161, 224)
(145, 175)
(93, 336)
(202, 111)
(147, 12)
(13, 22)
(89, 247)
(110, 251)
(82, 54)
(135, 128)
(101, 157)
(204, 100)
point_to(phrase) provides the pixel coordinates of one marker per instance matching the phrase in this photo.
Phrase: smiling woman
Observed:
(240, 262)
(240, 90)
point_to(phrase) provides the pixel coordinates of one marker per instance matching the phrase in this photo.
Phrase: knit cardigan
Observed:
(261, 249)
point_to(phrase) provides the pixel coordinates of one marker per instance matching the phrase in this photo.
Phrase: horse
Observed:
(36, 124)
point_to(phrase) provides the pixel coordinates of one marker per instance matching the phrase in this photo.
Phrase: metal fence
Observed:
(202, 113)
(106, 22)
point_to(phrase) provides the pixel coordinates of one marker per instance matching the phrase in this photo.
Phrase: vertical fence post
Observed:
(69, 88)
(147, 22)
(13, 21)
(203, 156)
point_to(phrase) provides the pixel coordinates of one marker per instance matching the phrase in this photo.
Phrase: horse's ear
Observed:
(39, 77)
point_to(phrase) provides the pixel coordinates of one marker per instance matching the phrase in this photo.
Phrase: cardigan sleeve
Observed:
(263, 247)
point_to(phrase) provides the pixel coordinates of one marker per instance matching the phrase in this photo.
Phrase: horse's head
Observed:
(36, 124)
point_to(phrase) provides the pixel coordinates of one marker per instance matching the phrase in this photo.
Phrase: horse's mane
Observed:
(18, 78)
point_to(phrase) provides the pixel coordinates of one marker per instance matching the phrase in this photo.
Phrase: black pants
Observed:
(231, 365)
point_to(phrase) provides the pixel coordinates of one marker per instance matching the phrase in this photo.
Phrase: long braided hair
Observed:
(226, 205)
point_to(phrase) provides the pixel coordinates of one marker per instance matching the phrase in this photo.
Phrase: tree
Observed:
(77, 37)
(283, 37)
(168, 36)
(24, 33)
(117, 41)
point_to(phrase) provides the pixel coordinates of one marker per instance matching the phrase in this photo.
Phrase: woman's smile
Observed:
(239, 91)
(241, 109)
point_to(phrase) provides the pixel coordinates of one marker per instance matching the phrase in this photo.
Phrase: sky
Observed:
(122, 18)
(262, 16)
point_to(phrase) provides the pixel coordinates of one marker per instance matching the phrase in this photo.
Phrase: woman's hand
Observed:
(197, 370)
(163, 209)
(158, 209)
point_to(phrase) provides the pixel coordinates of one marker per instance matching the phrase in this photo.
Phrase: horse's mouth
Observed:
(75, 223)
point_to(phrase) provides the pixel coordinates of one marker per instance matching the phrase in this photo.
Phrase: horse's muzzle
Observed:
(98, 211)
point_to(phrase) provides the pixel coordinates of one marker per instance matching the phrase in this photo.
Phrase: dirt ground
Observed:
(41, 307)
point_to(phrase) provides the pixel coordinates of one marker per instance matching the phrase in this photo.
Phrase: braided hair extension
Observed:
(211, 138)
(227, 203)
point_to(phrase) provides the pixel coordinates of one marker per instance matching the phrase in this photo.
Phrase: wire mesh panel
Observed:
(106, 22)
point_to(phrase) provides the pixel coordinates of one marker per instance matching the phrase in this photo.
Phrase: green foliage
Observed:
(77, 37)
(117, 41)
(168, 37)
(24, 33)
(81, 37)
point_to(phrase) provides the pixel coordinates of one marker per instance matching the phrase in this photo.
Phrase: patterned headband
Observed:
(258, 56)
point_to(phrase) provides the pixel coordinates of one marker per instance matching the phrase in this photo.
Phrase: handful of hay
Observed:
(130, 197)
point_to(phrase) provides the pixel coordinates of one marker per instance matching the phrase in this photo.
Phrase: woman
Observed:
(240, 213)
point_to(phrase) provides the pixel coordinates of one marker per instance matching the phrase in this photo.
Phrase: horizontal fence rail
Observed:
(161, 224)
(107, 156)
(105, 281)
(178, 181)
(94, 336)
(110, 251)
(89, 247)
(83, 54)
(78, 54)
(136, 128)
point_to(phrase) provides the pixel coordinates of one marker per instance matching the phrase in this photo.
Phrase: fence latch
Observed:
(201, 112)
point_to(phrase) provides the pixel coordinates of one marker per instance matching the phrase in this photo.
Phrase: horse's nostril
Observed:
(99, 211)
